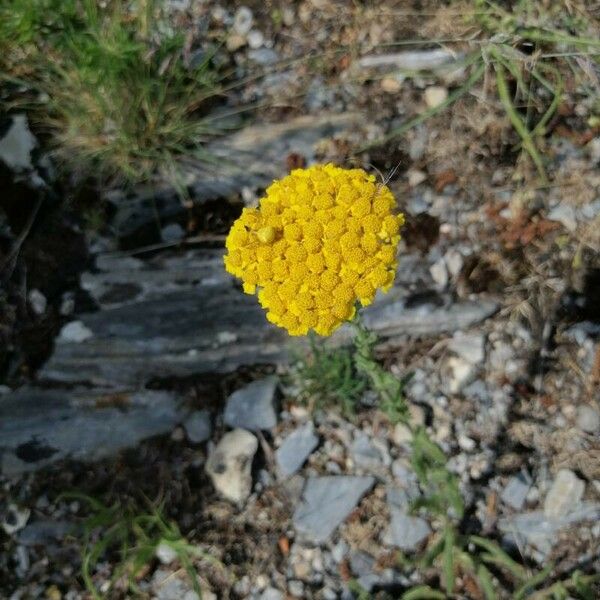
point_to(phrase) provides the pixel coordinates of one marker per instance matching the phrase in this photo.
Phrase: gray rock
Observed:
(296, 588)
(17, 145)
(173, 232)
(564, 214)
(169, 586)
(253, 406)
(460, 373)
(38, 427)
(411, 61)
(364, 453)
(271, 593)
(37, 301)
(588, 418)
(255, 39)
(242, 20)
(263, 56)
(198, 426)
(361, 563)
(75, 332)
(536, 530)
(565, 494)
(15, 519)
(470, 347)
(230, 465)
(45, 532)
(295, 449)
(406, 532)
(516, 490)
(394, 318)
(326, 502)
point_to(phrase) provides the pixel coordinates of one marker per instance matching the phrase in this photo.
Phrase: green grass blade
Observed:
(423, 592)
(532, 583)
(448, 560)
(484, 578)
(517, 122)
(495, 555)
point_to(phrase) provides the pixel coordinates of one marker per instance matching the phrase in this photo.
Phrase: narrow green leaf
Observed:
(448, 560)
(484, 578)
(517, 122)
(423, 592)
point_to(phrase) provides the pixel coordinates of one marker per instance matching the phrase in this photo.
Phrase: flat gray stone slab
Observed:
(295, 449)
(253, 406)
(325, 504)
(38, 427)
(539, 532)
(515, 492)
(180, 314)
(406, 532)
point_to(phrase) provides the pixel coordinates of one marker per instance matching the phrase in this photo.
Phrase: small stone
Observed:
(564, 495)
(588, 418)
(339, 551)
(17, 144)
(43, 533)
(391, 85)
(461, 373)
(416, 414)
(364, 453)
(230, 464)
(466, 443)
(271, 593)
(242, 20)
(15, 519)
(439, 273)
(326, 502)
(406, 532)
(288, 16)
(37, 301)
(253, 406)
(295, 449)
(198, 426)
(165, 553)
(255, 39)
(435, 95)
(263, 56)
(173, 232)
(471, 347)
(67, 305)
(454, 262)
(75, 332)
(296, 588)
(415, 177)
(234, 42)
(226, 337)
(402, 435)
(516, 490)
(564, 214)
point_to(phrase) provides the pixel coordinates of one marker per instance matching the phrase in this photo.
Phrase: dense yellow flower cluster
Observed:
(321, 239)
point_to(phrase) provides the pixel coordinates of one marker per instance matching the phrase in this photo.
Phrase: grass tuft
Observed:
(110, 83)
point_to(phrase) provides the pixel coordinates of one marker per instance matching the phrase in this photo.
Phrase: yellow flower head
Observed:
(321, 240)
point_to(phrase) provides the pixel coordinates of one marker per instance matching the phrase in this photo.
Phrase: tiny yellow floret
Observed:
(321, 240)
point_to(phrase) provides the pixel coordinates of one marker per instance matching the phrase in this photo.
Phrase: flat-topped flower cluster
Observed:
(321, 239)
